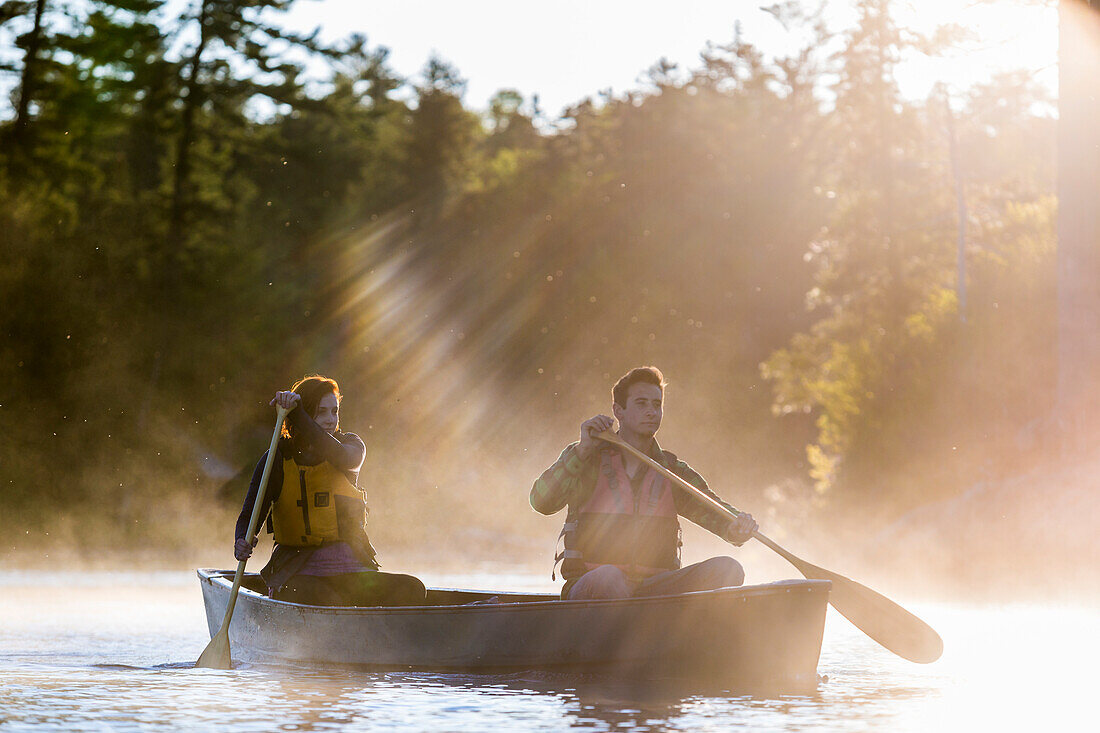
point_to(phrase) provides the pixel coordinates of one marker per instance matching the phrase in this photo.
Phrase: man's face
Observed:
(643, 410)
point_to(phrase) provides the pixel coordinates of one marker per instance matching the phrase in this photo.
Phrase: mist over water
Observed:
(465, 387)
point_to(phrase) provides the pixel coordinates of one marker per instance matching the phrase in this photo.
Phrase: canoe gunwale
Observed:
(224, 578)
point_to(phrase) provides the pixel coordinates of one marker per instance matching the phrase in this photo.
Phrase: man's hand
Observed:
(740, 530)
(589, 428)
(286, 400)
(242, 550)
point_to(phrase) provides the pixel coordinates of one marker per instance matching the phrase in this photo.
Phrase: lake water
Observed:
(100, 652)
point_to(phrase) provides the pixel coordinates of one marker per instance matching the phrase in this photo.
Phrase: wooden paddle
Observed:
(873, 613)
(216, 654)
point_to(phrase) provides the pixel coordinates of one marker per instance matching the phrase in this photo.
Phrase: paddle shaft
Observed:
(872, 613)
(252, 528)
(714, 503)
(281, 413)
(694, 490)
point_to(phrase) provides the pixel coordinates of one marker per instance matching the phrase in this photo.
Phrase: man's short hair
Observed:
(639, 375)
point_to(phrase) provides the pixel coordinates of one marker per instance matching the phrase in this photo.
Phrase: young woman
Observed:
(317, 512)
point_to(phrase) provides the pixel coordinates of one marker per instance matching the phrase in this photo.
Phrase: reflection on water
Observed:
(106, 654)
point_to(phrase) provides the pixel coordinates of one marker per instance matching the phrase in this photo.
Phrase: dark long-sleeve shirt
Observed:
(571, 481)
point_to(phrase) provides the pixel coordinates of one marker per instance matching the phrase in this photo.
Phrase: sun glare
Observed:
(999, 36)
(1050, 674)
(611, 44)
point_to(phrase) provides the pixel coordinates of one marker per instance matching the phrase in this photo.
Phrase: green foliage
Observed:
(885, 290)
(193, 219)
(441, 134)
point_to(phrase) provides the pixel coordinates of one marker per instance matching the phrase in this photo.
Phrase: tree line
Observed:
(200, 207)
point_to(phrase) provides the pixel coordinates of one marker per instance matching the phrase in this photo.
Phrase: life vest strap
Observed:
(565, 553)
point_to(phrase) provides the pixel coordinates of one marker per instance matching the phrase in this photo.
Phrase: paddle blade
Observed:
(216, 653)
(880, 618)
(872, 613)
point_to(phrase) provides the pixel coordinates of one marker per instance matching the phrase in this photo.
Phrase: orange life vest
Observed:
(636, 532)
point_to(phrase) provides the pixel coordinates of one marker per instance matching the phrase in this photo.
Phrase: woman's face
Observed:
(328, 413)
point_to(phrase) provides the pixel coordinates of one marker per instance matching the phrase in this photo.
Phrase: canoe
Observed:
(766, 634)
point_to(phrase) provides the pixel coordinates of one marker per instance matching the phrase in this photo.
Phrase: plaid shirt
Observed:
(570, 481)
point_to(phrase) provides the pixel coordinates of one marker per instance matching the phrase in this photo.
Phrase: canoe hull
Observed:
(764, 634)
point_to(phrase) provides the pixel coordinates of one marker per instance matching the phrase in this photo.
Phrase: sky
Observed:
(572, 49)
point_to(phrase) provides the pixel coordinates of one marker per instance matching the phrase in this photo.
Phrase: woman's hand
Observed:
(242, 550)
(286, 400)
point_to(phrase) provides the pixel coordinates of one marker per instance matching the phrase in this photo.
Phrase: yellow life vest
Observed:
(305, 512)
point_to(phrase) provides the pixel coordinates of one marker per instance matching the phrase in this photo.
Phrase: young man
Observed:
(622, 536)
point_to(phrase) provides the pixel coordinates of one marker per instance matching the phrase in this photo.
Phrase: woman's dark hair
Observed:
(641, 375)
(312, 389)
